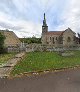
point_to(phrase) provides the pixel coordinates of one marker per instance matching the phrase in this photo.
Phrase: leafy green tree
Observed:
(31, 40)
(2, 38)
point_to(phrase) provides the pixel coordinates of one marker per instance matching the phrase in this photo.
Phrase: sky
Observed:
(25, 17)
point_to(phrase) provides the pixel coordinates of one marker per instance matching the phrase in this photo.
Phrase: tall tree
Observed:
(2, 38)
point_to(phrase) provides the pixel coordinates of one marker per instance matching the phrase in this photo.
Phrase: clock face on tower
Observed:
(43, 27)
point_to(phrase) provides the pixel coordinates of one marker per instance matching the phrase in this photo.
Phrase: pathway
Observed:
(6, 68)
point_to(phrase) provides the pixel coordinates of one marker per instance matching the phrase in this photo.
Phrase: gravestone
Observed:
(65, 54)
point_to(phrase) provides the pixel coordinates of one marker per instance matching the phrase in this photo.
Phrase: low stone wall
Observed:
(39, 47)
(13, 49)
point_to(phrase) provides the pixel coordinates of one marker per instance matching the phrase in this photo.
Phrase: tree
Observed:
(2, 38)
(31, 40)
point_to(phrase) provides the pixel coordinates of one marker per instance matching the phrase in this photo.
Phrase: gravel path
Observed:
(63, 81)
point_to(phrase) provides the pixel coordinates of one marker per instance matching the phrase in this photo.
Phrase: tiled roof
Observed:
(54, 33)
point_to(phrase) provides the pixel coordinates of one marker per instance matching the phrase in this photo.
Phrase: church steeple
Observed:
(44, 27)
(44, 21)
(44, 16)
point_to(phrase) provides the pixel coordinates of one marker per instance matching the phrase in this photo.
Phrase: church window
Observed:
(50, 38)
(53, 40)
(68, 39)
(74, 38)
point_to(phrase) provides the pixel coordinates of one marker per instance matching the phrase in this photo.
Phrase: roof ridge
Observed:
(55, 32)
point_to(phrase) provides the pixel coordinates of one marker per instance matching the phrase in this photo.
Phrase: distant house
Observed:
(57, 38)
(11, 39)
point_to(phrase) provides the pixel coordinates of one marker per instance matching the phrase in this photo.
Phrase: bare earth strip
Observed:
(6, 68)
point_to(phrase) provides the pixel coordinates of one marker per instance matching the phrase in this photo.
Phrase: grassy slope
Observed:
(5, 57)
(45, 60)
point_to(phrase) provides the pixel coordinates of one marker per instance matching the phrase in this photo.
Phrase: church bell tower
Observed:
(44, 26)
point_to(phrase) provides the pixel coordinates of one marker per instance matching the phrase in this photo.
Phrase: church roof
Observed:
(54, 33)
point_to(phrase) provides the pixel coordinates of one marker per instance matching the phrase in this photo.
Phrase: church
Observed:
(65, 38)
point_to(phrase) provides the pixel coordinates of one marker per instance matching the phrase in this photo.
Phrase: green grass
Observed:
(5, 57)
(36, 61)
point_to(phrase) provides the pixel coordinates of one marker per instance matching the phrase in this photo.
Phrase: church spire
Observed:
(44, 17)
(44, 26)
(44, 21)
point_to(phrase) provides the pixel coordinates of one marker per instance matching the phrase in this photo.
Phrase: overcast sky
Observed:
(25, 17)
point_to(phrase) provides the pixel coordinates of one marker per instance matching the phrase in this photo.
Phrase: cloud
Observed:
(25, 17)
(20, 27)
(71, 16)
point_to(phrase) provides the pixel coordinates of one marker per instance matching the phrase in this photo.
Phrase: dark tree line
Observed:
(78, 37)
(2, 48)
(31, 40)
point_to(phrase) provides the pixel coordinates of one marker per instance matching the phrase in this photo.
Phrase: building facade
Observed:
(11, 40)
(64, 38)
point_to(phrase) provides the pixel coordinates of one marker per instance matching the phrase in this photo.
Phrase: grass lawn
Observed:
(5, 57)
(35, 61)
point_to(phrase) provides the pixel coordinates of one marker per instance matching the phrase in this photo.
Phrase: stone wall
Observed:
(40, 47)
(68, 38)
(13, 49)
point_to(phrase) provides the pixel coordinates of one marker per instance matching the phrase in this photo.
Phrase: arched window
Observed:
(53, 40)
(68, 39)
(50, 38)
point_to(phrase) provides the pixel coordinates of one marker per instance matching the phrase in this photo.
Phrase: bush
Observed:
(3, 50)
(2, 38)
